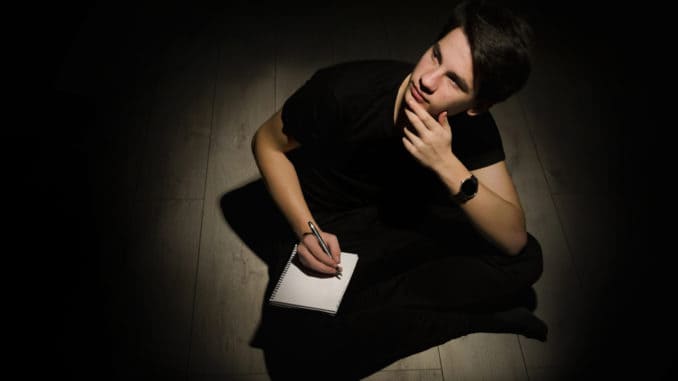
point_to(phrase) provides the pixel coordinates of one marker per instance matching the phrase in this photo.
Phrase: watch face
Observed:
(469, 187)
(468, 190)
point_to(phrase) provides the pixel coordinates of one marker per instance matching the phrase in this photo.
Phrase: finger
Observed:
(316, 251)
(333, 244)
(409, 147)
(310, 261)
(418, 125)
(442, 118)
(413, 104)
(423, 115)
(412, 137)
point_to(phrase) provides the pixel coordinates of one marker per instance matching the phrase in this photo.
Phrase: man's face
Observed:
(443, 77)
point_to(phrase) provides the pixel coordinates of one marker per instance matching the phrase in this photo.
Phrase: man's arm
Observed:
(495, 210)
(269, 146)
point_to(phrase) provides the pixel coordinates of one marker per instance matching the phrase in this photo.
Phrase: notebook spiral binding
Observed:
(287, 266)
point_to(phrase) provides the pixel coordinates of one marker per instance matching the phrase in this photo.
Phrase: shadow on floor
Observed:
(251, 213)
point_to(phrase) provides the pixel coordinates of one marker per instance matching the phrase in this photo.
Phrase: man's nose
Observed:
(429, 81)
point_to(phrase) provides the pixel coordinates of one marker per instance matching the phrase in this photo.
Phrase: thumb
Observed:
(442, 119)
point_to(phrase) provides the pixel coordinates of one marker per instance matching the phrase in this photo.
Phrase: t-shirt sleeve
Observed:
(476, 140)
(312, 113)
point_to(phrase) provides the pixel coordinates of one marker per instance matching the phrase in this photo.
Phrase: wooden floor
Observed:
(183, 293)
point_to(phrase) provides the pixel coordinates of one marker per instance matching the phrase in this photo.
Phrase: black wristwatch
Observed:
(468, 190)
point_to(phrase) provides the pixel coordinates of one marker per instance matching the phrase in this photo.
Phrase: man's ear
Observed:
(479, 109)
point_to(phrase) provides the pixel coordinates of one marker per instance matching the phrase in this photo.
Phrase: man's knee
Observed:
(533, 259)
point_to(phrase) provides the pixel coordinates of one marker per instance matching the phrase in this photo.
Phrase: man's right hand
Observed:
(312, 255)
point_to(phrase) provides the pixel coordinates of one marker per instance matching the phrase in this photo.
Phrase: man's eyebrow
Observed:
(454, 76)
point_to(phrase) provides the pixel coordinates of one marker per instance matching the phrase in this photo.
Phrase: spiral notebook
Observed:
(299, 287)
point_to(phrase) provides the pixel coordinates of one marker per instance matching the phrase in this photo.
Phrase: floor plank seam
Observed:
(202, 213)
(440, 362)
(551, 196)
(522, 355)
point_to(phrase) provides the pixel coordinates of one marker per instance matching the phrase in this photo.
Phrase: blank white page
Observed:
(297, 288)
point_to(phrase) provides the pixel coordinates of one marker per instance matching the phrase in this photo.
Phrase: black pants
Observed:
(416, 285)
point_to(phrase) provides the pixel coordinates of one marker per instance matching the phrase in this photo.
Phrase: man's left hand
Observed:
(432, 143)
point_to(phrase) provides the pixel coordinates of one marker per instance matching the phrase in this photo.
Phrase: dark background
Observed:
(56, 144)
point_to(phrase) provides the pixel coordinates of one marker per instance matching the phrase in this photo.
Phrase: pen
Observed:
(322, 244)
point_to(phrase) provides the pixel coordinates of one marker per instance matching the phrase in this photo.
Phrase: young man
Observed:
(404, 166)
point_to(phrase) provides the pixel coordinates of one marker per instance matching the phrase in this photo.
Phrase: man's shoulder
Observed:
(348, 72)
(363, 81)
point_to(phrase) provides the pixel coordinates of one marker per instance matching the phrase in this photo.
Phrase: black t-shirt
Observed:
(351, 153)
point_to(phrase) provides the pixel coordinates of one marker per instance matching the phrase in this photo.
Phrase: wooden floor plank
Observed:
(229, 377)
(359, 32)
(428, 359)
(175, 158)
(166, 217)
(406, 375)
(595, 231)
(304, 43)
(160, 282)
(578, 147)
(559, 289)
(410, 35)
(554, 374)
(231, 279)
(483, 356)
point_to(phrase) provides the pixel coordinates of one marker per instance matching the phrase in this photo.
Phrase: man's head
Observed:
(481, 58)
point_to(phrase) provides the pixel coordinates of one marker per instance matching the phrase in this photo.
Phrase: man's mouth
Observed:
(416, 94)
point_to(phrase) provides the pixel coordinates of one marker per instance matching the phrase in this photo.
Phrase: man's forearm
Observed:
(499, 220)
(283, 184)
(502, 222)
